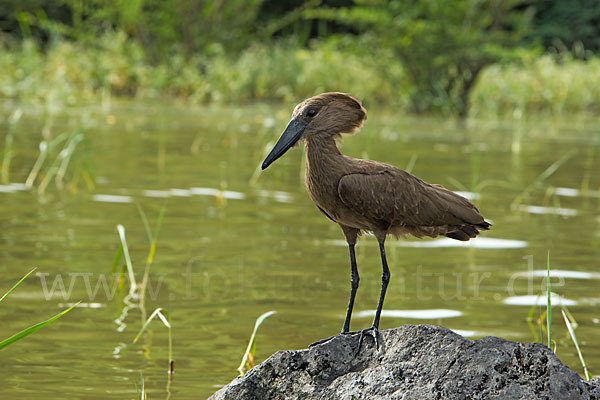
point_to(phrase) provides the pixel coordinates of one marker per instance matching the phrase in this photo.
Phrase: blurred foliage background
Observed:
(462, 57)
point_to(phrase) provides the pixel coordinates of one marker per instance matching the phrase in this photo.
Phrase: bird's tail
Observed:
(469, 231)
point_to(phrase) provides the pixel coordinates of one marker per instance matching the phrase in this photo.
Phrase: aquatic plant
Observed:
(248, 358)
(8, 143)
(546, 317)
(164, 317)
(135, 298)
(25, 332)
(152, 238)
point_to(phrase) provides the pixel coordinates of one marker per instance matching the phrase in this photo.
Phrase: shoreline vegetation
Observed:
(67, 73)
(465, 58)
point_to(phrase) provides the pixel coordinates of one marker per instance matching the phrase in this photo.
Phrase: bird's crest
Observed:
(330, 113)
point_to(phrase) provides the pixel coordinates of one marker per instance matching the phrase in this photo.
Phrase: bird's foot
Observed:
(373, 332)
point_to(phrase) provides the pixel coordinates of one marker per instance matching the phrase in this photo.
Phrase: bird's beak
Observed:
(289, 137)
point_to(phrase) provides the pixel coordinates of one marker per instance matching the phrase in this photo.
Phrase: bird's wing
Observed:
(394, 196)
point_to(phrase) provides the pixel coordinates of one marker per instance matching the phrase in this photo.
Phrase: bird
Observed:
(364, 196)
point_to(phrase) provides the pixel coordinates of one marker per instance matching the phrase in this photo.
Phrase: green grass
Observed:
(573, 337)
(141, 391)
(130, 273)
(248, 359)
(135, 297)
(541, 84)
(549, 302)
(25, 332)
(165, 318)
(8, 144)
(152, 239)
(546, 316)
(69, 73)
(539, 180)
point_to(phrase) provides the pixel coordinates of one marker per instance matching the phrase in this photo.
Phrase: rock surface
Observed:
(413, 362)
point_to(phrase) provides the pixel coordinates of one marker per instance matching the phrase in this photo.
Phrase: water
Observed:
(235, 243)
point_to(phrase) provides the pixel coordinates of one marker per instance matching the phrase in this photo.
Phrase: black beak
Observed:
(289, 137)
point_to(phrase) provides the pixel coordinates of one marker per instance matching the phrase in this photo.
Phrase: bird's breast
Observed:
(323, 193)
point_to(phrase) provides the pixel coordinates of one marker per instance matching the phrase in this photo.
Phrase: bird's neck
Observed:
(323, 157)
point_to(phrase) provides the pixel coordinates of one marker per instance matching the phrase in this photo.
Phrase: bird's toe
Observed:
(373, 332)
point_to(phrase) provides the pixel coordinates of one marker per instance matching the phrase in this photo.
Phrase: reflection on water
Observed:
(12, 187)
(466, 333)
(477, 243)
(412, 314)
(559, 273)
(570, 192)
(539, 300)
(565, 212)
(235, 243)
(112, 198)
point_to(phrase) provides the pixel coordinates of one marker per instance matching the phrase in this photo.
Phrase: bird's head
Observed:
(325, 115)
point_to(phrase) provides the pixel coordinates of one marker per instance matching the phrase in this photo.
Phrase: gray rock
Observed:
(413, 362)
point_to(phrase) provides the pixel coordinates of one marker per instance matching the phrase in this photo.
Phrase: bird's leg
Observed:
(351, 235)
(385, 278)
(353, 288)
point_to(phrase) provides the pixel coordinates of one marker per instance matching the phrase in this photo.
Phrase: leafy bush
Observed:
(546, 83)
(69, 73)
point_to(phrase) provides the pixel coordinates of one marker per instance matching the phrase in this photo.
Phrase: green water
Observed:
(235, 244)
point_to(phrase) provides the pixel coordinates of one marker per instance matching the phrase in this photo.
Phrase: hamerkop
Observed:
(368, 196)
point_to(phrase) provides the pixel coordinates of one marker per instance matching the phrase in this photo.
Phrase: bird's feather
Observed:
(400, 200)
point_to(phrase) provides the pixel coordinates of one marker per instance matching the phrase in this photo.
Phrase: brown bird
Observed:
(368, 196)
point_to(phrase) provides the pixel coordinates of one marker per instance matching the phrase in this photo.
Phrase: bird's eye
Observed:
(311, 113)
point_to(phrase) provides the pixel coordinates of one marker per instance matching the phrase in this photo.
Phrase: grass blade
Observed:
(541, 178)
(530, 321)
(17, 284)
(8, 144)
(144, 221)
(116, 260)
(37, 166)
(154, 237)
(34, 328)
(161, 314)
(587, 374)
(549, 313)
(165, 318)
(248, 359)
(132, 281)
(66, 158)
(411, 163)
